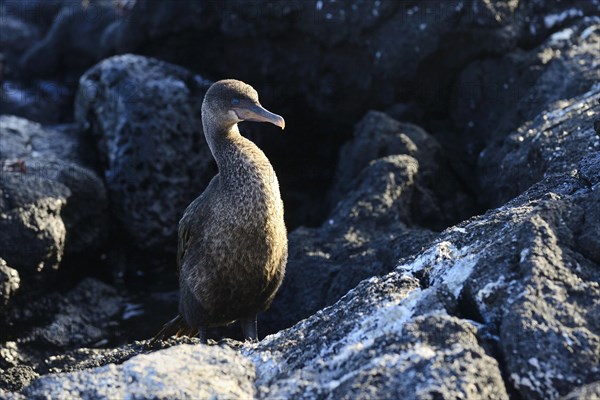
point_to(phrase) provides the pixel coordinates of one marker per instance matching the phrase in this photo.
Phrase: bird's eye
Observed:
(235, 102)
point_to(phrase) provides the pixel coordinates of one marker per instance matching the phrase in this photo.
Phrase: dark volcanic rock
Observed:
(502, 305)
(540, 329)
(586, 392)
(17, 36)
(85, 316)
(16, 377)
(145, 116)
(363, 236)
(556, 141)
(517, 271)
(48, 102)
(355, 350)
(9, 284)
(48, 161)
(23, 138)
(332, 53)
(67, 45)
(505, 303)
(495, 96)
(32, 232)
(401, 182)
(200, 372)
(439, 198)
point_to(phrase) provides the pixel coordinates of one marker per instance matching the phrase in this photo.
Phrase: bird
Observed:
(232, 240)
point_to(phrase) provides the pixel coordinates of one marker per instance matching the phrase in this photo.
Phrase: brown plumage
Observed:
(232, 239)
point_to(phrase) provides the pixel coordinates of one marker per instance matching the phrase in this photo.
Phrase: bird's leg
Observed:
(202, 334)
(249, 328)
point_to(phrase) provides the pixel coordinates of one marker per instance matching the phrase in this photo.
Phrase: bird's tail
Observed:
(177, 326)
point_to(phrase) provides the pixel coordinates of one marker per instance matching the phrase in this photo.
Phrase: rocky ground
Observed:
(440, 171)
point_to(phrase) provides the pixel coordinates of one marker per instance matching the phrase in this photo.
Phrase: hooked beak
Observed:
(256, 113)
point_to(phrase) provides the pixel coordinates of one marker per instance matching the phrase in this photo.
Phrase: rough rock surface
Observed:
(17, 36)
(364, 236)
(145, 116)
(502, 305)
(44, 101)
(393, 180)
(9, 284)
(66, 46)
(439, 198)
(510, 284)
(32, 232)
(371, 344)
(490, 99)
(554, 142)
(342, 51)
(200, 372)
(517, 271)
(42, 174)
(85, 316)
(22, 138)
(11, 395)
(586, 392)
(15, 378)
(347, 43)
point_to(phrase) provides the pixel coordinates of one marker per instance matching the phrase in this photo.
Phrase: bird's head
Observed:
(230, 101)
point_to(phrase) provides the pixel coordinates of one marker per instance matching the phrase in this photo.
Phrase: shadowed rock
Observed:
(145, 117)
(9, 285)
(52, 204)
(493, 97)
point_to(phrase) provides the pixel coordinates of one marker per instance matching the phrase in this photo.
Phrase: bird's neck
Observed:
(223, 143)
(237, 157)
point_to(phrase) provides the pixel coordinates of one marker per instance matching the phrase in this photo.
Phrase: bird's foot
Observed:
(249, 329)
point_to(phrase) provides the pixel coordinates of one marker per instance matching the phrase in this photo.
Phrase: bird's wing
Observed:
(192, 223)
(183, 240)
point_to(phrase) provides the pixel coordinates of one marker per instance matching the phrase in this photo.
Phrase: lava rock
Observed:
(10, 395)
(40, 13)
(591, 391)
(32, 231)
(526, 273)
(381, 36)
(58, 323)
(9, 284)
(184, 371)
(85, 316)
(514, 271)
(436, 356)
(364, 236)
(15, 378)
(17, 36)
(493, 97)
(48, 102)
(440, 198)
(87, 358)
(401, 183)
(502, 303)
(23, 138)
(38, 158)
(377, 135)
(145, 116)
(66, 46)
(556, 141)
